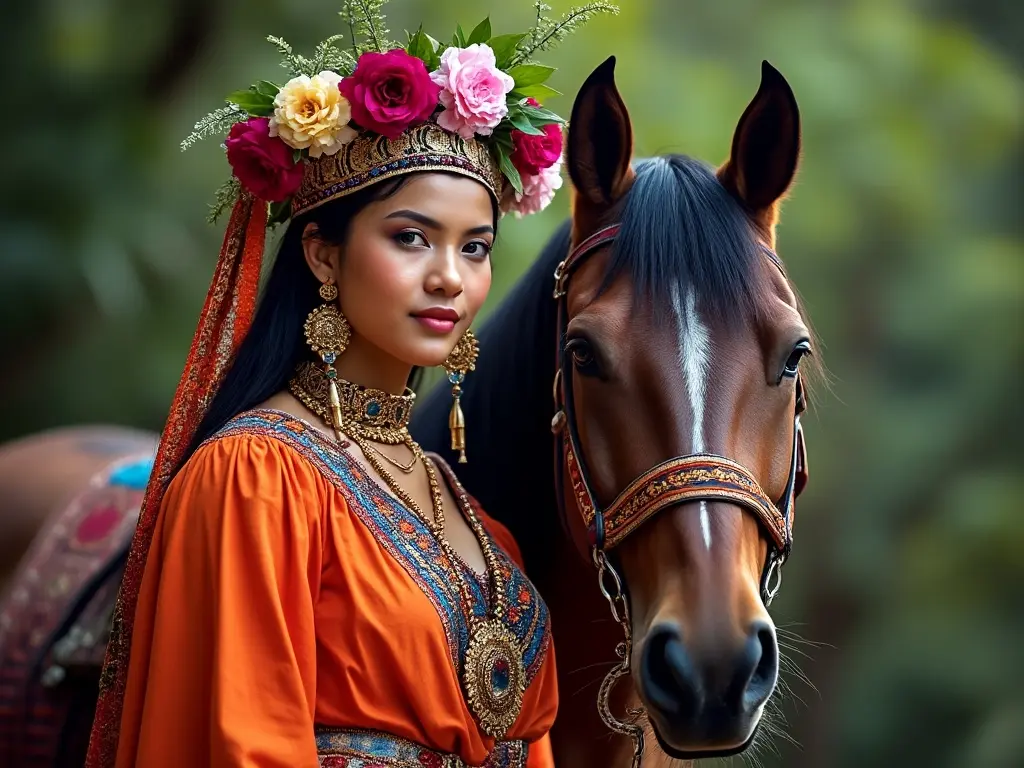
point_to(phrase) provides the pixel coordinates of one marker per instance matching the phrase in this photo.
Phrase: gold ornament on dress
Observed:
(494, 676)
(460, 361)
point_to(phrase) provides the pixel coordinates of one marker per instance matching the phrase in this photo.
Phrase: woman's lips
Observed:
(438, 319)
(432, 323)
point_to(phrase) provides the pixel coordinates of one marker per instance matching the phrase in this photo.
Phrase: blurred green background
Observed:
(903, 234)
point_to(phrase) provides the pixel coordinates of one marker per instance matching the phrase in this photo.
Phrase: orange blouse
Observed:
(288, 598)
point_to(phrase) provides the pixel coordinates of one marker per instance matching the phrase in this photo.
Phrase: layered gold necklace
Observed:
(493, 675)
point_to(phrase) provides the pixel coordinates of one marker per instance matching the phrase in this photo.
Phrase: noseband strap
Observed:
(697, 477)
(701, 477)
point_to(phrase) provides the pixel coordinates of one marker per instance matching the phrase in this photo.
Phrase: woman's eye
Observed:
(477, 248)
(411, 238)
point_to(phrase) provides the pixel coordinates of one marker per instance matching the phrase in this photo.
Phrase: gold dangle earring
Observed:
(328, 334)
(461, 360)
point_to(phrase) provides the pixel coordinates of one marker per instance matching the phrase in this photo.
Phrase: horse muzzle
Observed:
(705, 696)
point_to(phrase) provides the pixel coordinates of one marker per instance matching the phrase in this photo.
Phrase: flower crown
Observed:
(352, 116)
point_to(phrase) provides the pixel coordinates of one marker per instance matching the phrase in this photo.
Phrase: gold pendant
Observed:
(494, 677)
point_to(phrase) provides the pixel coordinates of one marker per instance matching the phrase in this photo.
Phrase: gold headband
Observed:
(370, 158)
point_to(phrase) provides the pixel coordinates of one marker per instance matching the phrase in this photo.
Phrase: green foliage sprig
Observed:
(326, 55)
(547, 32)
(367, 26)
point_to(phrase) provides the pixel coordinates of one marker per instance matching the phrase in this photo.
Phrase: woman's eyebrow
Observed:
(430, 223)
(426, 221)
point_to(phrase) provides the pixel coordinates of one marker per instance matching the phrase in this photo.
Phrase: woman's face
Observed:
(415, 269)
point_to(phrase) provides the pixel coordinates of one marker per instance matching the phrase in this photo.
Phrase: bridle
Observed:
(697, 477)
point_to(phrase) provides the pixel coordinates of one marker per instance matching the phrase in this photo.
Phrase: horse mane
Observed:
(680, 228)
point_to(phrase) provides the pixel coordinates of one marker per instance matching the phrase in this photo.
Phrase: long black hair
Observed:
(275, 343)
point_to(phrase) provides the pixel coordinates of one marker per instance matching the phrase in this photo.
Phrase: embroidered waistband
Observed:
(344, 748)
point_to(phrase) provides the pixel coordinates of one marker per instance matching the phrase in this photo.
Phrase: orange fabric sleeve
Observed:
(223, 662)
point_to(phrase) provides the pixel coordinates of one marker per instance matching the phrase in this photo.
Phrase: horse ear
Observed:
(600, 143)
(765, 149)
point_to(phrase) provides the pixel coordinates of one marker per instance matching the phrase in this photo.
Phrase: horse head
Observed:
(678, 398)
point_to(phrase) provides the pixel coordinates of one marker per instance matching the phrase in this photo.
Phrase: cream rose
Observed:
(310, 113)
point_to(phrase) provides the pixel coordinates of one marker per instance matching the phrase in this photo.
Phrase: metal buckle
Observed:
(559, 291)
(774, 569)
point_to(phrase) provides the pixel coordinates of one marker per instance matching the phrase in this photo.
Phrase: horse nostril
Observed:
(668, 676)
(762, 657)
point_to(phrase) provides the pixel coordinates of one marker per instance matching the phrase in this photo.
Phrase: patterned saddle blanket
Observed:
(55, 620)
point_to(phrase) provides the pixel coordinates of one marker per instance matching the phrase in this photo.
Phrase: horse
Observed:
(656, 334)
(675, 334)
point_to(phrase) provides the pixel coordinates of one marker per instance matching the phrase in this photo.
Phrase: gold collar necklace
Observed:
(370, 414)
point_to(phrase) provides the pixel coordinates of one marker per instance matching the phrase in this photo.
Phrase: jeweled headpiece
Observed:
(346, 118)
(369, 158)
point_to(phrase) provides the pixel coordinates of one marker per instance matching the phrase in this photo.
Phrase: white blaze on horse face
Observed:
(695, 360)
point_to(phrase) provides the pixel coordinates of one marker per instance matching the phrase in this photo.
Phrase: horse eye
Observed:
(582, 355)
(793, 362)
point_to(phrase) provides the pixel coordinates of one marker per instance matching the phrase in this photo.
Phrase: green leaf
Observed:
(279, 213)
(433, 42)
(522, 122)
(505, 163)
(541, 116)
(502, 135)
(413, 42)
(481, 33)
(460, 36)
(530, 74)
(506, 142)
(253, 103)
(504, 47)
(540, 92)
(421, 47)
(267, 88)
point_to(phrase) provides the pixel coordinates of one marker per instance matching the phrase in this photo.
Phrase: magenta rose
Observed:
(390, 92)
(264, 165)
(534, 153)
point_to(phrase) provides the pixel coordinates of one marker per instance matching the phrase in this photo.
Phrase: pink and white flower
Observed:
(538, 192)
(473, 90)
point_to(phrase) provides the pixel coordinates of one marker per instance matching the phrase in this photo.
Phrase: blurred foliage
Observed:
(903, 235)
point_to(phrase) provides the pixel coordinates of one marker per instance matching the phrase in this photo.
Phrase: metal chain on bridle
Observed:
(697, 477)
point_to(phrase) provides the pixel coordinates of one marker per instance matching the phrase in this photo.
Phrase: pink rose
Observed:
(264, 165)
(390, 92)
(538, 192)
(533, 153)
(473, 90)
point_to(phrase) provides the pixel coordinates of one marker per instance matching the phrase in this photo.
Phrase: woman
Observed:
(306, 586)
